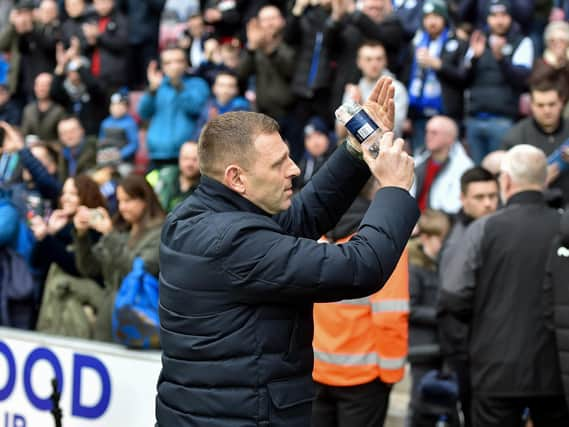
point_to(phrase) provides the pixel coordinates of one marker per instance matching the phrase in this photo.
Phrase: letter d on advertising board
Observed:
(82, 361)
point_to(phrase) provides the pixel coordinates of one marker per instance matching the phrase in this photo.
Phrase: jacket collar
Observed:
(526, 198)
(463, 218)
(220, 198)
(558, 129)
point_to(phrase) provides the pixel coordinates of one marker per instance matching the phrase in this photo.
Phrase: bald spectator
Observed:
(495, 286)
(439, 168)
(41, 117)
(172, 185)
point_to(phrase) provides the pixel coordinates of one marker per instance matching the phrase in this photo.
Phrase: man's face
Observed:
(268, 182)
(372, 61)
(188, 161)
(546, 108)
(271, 20)
(437, 136)
(74, 8)
(316, 143)
(480, 199)
(434, 24)
(376, 10)
(48, 10)
(225, 88)
(42, 85)
(70, 133)
(499, 23)
(196, 26)
(118, 109)
(104, 7)
(174, 63)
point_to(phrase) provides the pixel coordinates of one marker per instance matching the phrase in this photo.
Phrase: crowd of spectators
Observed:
(102, 102)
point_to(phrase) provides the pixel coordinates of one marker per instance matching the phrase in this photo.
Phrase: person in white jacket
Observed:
(439, 168)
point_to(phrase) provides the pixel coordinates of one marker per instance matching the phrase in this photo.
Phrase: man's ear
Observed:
(234, 179)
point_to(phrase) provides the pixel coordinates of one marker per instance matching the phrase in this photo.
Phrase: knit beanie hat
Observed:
(438, 7)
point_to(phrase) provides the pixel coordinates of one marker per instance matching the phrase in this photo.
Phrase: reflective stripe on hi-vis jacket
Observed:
(359, 340)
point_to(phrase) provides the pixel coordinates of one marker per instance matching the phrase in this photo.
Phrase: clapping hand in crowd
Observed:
(478, 43)
(57, 220)
(97, 219)
(497, 44)
(426, 60)
(212, 15)
(64, 56)
(154, 76)
(341, 8)
(13, 140)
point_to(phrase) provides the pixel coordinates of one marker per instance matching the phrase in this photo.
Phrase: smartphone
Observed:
(95, 216)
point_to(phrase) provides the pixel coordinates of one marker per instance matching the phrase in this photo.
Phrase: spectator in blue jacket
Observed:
(172, 104)
(225, 98)
(120, 128)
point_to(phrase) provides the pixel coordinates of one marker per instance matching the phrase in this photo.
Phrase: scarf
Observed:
(424, 86)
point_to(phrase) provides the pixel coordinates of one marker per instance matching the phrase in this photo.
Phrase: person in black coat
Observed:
(236, 333)
(497, 289)
(107, 46)
(556, 287)
(143, 34)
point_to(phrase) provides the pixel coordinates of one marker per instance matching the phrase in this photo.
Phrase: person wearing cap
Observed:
(31, 48)
(436, 75)
(474, 12)
(319, 145)
(499, 64)
(120, 129)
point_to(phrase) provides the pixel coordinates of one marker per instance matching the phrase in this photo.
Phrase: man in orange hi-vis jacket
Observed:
(360, 345)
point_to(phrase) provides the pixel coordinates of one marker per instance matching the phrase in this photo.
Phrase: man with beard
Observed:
(172, 185)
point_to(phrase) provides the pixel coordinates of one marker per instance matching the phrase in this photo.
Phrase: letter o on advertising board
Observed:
(36, 355)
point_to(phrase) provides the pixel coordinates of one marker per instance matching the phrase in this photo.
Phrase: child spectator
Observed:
(318, 145)
(119, 133)
(225, 98)
(424, 352)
